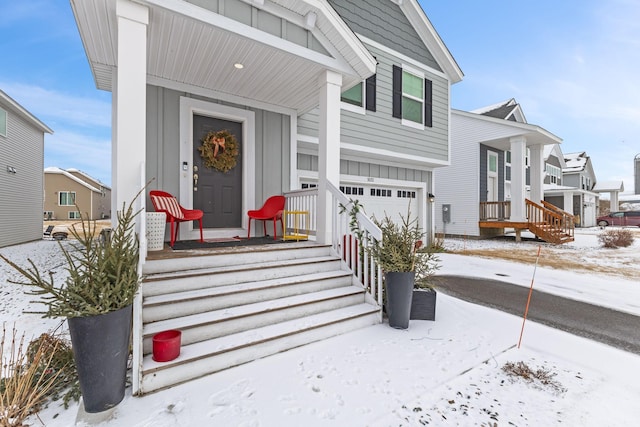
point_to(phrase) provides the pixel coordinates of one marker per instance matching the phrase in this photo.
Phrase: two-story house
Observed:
(569, 185)
(495, 182)
(303, 98)
(70, 192)
(21, 164)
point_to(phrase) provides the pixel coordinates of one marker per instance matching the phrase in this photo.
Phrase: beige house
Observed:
(69, 192)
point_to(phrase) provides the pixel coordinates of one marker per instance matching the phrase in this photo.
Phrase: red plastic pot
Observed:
(166, 345)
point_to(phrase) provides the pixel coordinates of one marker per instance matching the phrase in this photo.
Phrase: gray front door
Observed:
(217, 194)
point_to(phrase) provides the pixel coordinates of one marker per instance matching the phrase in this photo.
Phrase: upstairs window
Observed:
(362, 96)
(412, 97)
(67, 198)
(3, 122)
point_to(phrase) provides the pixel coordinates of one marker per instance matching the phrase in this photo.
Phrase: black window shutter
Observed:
(397, 92)
(428, 103)
(370, 93)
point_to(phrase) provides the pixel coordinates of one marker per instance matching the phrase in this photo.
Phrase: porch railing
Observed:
(346, 243)
(302, 201)
(351, 240)
(495, 211)
(551, 224)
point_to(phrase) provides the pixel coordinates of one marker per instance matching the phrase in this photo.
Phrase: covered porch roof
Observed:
(497, 133)
(192, 46)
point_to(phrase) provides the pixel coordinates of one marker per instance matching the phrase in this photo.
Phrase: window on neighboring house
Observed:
(3, 122)
(74, 215)
(362, 95)
(412, 97)
(67, 198)
(507, 166)
(554, 173)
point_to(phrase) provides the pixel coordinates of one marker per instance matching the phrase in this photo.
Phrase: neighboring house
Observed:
(560, 191)
(21, 163)
(614, 188)
(67, 193)
(578, 174)
(495, 181)
(318, 95)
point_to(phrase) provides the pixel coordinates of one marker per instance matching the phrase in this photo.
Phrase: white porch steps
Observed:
(238, 308)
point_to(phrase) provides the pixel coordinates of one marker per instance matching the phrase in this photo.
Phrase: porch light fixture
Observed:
(431, 197)
(238, 65)
(12, 170)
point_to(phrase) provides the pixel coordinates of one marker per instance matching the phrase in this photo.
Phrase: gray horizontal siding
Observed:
(308, 162)
(382, 131)
(21, 193)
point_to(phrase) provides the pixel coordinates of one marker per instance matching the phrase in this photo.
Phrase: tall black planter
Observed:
(101, 350)
(399, 286)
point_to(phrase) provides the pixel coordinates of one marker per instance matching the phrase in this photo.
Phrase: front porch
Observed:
(545, 221)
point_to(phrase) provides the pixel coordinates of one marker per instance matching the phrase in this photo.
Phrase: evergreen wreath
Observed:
(220, 150)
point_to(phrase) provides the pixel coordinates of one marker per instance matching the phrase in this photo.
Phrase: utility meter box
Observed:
(446, 213)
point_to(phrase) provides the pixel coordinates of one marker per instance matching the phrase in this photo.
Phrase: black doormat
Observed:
(182, 245)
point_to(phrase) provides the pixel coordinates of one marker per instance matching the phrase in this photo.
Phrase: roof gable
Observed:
(507, 110)
(56, 170)
(401, 26)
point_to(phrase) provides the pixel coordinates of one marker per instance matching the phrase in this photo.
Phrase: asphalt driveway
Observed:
(617, 329)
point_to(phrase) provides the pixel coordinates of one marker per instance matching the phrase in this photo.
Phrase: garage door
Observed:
(379, 200)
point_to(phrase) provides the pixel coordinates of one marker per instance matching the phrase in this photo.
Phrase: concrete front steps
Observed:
(240, 305)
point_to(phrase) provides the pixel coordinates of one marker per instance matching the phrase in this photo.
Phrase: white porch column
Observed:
(328, 150)
(614, 205)
(518, 178)
(536, 171)
(129, 97)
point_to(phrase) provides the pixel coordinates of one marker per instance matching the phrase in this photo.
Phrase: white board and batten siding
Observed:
(272, 144)
(21, 203)
(458, 185)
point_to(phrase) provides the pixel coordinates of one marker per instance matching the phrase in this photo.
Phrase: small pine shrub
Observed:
(616, 238)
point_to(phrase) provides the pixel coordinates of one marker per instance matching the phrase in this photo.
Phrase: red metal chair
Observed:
(165, 202)
(271, 210)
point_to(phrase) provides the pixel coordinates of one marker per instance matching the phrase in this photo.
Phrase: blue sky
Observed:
(573, 65)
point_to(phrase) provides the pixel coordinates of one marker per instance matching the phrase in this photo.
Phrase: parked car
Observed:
(630, 218)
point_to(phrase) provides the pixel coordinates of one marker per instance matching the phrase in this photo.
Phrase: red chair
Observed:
(165, 202)
(271, 210)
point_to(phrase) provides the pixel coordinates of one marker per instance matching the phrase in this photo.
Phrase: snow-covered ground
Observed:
(447, 372)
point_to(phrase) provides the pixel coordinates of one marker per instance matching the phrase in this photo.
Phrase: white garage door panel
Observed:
(379, 200)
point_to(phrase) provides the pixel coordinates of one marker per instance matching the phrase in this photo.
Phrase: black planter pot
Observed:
(101, 350)
(423, 304)
(399, 288)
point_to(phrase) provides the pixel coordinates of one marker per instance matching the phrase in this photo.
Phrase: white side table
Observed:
(156, 222)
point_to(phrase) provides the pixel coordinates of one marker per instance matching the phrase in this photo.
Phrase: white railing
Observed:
(351, 240)
(137, 349)
(303, 201)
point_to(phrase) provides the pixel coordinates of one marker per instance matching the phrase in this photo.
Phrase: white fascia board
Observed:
(71, 177)
(199, 14)
(11, 103)
(525, 127)
(430, 37)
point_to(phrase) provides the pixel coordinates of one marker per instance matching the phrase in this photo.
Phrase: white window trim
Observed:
(68, 192)
(420, 74)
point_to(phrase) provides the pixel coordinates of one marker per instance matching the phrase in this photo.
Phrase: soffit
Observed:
(193, 48)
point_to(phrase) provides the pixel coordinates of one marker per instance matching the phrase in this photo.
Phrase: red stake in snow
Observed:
(526, 310)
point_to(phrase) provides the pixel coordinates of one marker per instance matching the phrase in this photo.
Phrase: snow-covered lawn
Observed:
(447, 372)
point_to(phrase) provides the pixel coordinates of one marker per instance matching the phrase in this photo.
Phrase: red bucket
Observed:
(166, 345)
